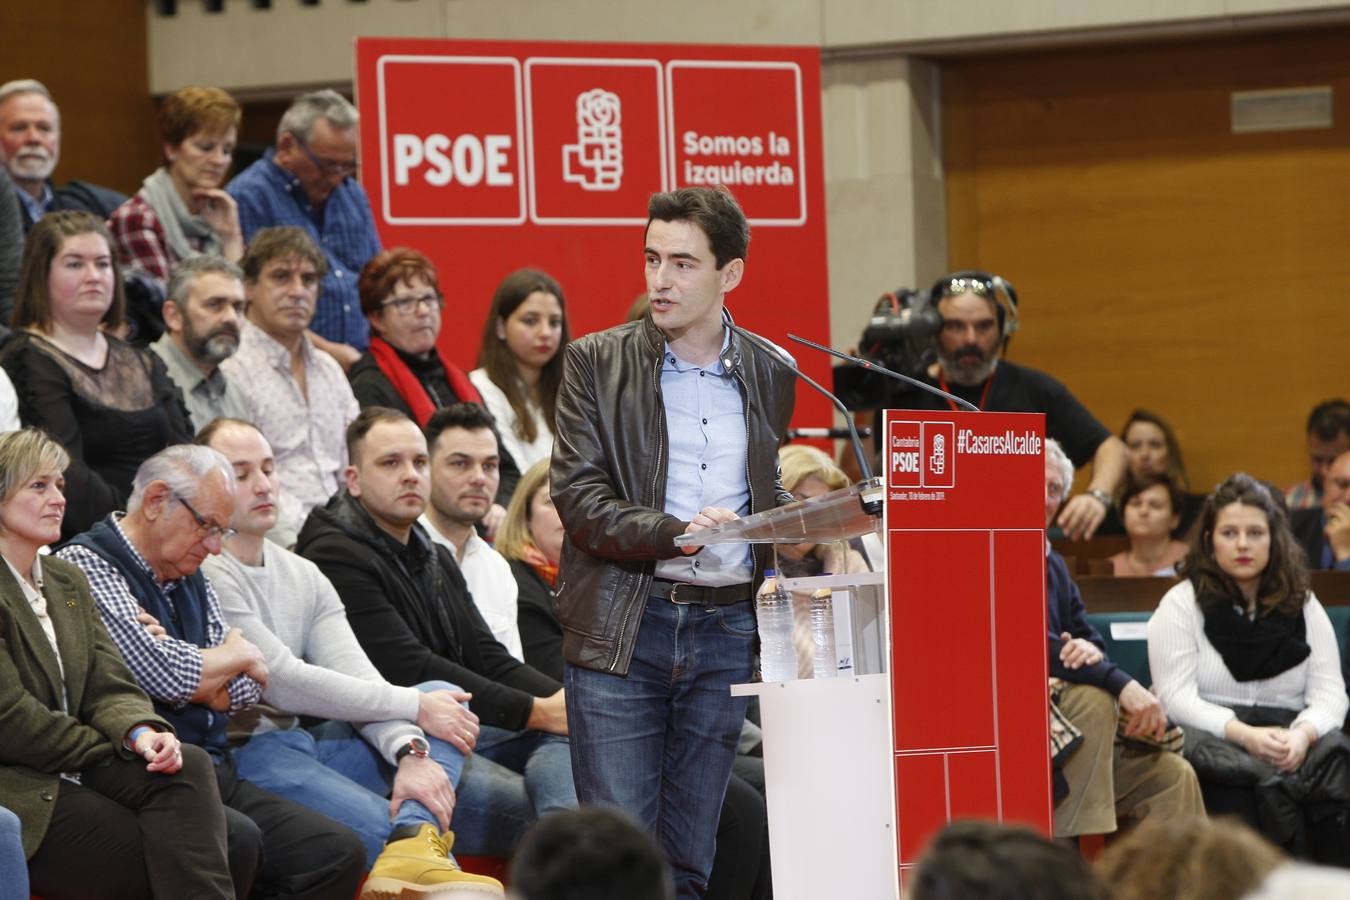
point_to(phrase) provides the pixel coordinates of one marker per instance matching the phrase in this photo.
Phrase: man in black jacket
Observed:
(413, 615)
(666, 425)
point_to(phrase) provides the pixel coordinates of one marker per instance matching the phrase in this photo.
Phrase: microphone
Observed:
(872, 507)
(873, 367)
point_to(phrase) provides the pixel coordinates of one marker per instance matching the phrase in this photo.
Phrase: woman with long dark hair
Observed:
(520, 362)
(1245, 659)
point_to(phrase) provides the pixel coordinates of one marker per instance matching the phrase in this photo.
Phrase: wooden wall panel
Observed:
(91, 54)
(1161, 260)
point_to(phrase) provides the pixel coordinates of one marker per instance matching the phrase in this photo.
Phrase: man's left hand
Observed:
(1081, 517)
(707, 517)
(496, 515)
(422, 779)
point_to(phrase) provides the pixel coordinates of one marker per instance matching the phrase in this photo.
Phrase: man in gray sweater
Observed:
(387, 759)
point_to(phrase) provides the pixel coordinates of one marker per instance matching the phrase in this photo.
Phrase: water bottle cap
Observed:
(768, 573)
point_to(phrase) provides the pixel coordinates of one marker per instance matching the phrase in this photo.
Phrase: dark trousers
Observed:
(304, 854)
(126, 832)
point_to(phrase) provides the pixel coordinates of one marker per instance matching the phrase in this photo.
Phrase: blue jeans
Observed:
(512, 778)
(13, 863)
(659, 743)
(331, 769)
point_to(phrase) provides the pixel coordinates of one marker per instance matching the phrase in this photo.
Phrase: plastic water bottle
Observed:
(825, 661)
(773, 609)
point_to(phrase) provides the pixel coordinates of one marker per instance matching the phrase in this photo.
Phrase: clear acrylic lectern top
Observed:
(835, 516)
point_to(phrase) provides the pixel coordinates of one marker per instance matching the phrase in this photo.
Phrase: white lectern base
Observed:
(829, 774)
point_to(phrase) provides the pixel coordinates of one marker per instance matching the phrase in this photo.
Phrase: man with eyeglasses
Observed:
(202, 319)
(307, 181)
(143, 568)
(301, 399)
(979, 314)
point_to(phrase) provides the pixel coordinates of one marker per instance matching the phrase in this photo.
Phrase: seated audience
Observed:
(110, 405)
(308, 181)
(976, 860)
(144, 571)
(590, 854)
(1152, 449)
(301, 400)
(202, 317)
(412, 614)
(1328, 435)
(181, 210)
(105, 792)
(807, 473)
(1323, 532)
(375, 740)
(403, 369)
(520, 362)
(1107, 779)
(1188, 859)
(1151, 507)
(464, 467)
(1245, 659)
(11, 248)
(30, 145)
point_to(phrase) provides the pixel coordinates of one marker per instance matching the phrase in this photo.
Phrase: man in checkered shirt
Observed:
(163, 615)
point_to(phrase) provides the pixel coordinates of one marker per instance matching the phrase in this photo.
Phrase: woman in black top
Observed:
(110, 405)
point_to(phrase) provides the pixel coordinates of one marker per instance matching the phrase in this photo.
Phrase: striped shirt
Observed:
(168, 669)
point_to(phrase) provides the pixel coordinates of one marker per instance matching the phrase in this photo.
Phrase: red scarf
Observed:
(535, 559)
(410, 388)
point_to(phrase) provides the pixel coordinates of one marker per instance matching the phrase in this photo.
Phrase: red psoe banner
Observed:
(966, 580)
(493, 156)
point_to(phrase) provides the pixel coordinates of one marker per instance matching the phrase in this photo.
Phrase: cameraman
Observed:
(978, 314)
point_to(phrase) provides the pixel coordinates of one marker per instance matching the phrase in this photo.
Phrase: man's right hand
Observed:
(442, 714)
(1338, 530)
(549, 714)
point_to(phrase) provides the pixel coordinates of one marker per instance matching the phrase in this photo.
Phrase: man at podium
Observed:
(666, 425)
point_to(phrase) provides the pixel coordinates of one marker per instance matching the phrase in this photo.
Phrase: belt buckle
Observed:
(674, 589)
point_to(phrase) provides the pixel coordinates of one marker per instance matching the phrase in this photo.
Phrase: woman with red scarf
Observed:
(404, 369)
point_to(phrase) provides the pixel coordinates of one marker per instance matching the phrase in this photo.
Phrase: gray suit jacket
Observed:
(37, 740)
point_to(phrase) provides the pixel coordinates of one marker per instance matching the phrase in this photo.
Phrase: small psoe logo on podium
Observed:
(937, 463)
(595, 161)
(939, 441)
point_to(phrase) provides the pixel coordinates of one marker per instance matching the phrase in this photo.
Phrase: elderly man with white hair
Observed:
(1107, 780)
(144, 573)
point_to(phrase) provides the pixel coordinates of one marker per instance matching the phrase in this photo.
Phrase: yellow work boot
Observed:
(418, 864)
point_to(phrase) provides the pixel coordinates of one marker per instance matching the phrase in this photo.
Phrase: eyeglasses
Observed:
(406, 305)
(326, 167)
(208, 529)
(957, 286)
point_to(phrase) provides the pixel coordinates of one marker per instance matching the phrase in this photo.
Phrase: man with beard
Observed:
(201, 320)
(979, 313)
(30, 146)
(301, 400)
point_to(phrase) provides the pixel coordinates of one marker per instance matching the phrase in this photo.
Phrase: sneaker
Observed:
(421, 866)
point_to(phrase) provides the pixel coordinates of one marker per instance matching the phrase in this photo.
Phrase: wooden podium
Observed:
(945, 713)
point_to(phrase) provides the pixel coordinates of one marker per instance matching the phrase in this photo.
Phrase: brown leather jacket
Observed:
(609, 478)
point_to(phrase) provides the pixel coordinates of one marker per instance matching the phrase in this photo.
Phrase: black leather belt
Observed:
(698, 594)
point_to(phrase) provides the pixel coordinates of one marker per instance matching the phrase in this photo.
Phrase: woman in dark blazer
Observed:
(112, 805)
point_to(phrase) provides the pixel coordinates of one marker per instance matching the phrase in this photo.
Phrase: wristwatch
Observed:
(417, 746)
(1100, 496)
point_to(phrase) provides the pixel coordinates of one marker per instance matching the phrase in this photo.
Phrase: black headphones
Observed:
(982, 284)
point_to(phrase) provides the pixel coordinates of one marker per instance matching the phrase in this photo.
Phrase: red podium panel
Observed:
(966, 581)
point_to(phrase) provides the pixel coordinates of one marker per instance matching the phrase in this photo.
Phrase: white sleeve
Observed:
(9, 404)
(1325, 702)
(1174, 635)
